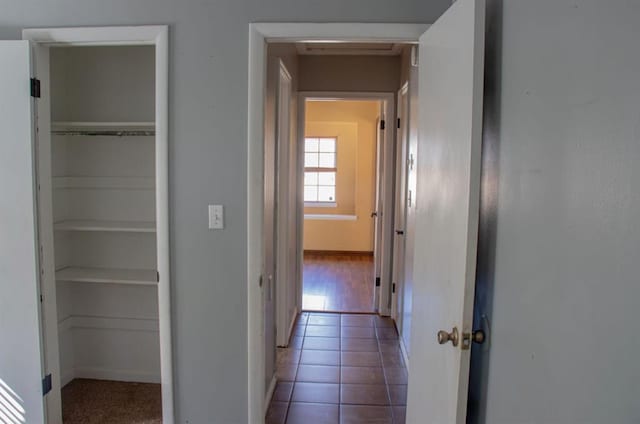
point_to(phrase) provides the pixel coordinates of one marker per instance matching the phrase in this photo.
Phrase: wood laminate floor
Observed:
(338, 283)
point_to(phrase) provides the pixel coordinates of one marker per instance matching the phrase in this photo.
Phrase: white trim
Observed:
(157, 35)
(269, 395)
(259, 33)
(96, 36)
(115, 375)
(405, 352)
(292, 324)
(320, 204)
(339, 32)
(329, 217)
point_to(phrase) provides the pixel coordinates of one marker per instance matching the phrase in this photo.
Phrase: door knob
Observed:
(374, 214)
(399, 232)
(444, 337)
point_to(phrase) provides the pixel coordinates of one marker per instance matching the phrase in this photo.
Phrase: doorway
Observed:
(102, 217)
(339, 194)
(450, 73)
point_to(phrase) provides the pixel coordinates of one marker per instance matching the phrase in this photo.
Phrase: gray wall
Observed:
(560, 205)
(208, 139)
(558, 269)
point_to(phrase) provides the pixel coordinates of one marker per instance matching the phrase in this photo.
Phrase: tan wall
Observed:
(354, 125)
(349, 73)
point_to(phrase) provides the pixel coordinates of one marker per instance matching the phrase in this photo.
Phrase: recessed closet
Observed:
(103, 180)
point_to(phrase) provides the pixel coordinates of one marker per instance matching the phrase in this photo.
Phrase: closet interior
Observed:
(104, 222)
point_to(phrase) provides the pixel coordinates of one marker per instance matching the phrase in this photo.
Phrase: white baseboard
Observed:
(269, 395)
(116, 375)
(292, 324)
(405, 352)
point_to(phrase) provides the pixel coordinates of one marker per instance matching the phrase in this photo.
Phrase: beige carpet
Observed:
(111, 402)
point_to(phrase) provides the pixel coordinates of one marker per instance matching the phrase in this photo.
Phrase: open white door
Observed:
(450, 118)
(21, 395)
(376, 214)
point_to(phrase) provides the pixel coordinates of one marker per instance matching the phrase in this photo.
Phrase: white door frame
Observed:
(156, 35)
(383, 292)
(259, 35)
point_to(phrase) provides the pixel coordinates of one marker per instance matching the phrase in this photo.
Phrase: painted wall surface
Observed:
(208, 56)
(354, 125)
(349, 73)
(559, 236)
(560, 204)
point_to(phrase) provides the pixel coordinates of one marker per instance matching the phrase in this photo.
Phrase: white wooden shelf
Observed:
(109, 129)
(104, 125)
(106, 226)
(144, 277)
(105, 183)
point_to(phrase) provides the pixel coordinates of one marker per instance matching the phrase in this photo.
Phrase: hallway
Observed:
(337, 283)
(340, 369)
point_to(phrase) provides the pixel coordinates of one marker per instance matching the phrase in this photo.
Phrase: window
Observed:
(320, 170)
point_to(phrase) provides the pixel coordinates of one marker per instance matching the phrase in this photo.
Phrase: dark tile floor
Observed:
(340, 369)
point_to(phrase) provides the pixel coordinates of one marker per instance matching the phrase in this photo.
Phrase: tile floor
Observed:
(340, 369)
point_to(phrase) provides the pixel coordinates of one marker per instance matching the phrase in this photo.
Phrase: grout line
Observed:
(340, 365)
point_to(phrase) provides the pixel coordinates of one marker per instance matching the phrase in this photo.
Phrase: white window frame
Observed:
(319, 203)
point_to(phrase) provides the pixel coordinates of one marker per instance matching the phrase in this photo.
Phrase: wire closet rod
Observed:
(110, 133)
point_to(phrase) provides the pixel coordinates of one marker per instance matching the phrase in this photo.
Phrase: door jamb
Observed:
(259, 34)
(157, 35)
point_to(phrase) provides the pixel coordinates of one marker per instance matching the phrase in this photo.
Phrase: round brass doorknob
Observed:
(444, 337)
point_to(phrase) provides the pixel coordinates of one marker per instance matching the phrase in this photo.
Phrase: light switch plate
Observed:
(216, 217)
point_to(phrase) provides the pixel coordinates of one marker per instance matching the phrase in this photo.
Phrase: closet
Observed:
(103, 181)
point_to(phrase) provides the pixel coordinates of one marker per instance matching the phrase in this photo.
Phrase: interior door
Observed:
(376, 214)
(450, 114)
(21, 366)
(285, 278)
(270, 226)
(400, 202)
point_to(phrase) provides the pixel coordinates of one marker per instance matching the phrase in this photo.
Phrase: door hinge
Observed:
(46, 384)
(157, 276)
(382, 124)
(377, 278)
(398, 122)
(35, 87)
(41, 298)
(393, 288)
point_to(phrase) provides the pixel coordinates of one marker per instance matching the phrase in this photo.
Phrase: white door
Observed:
(450, 119)
(20, 336)
(286, 202)
(400, 201)
(376, 215)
